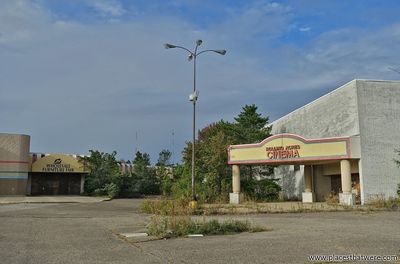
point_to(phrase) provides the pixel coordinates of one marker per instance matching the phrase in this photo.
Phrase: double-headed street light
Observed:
(194, 96)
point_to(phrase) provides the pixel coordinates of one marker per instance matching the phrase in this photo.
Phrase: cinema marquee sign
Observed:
(58, 163)
(289, 148)
(283, 152)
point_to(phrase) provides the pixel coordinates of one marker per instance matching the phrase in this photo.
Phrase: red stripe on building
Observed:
(14, 161)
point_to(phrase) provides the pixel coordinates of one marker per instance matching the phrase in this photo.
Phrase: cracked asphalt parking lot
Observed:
(87, 233)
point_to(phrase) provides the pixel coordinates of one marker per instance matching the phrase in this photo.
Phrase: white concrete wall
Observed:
(291, 181)
(332, 115)
(379, 111)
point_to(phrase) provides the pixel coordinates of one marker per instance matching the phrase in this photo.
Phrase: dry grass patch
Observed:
(167, 207)
(180, 226)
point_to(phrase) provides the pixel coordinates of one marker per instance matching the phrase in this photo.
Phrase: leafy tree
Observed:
(105, 177)
(250, 126)
(264, 189)
(164, 171)
(213, 175)
(213, 159)
(146, 179)
(104, 171)
(182, 181)
(164, 158)
(141, 159)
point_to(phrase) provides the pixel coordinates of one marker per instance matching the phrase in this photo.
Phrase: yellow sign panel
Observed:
(58, 163)
(285, 148)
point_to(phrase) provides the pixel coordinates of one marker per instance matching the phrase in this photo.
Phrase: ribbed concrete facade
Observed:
(379, 117)
(14, 163)
(332, 115)
(366, 110)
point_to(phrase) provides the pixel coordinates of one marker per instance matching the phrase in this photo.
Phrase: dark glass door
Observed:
(55, 184)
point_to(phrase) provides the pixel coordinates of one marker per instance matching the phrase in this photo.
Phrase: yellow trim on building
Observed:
(287, 147)
(59, 163)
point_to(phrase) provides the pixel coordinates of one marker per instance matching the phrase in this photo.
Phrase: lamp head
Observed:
(190, 57)
(194, 96)
(222, 52)
(169, 46)
(198, 42)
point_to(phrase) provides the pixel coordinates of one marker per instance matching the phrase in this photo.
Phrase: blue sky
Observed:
(91, 74)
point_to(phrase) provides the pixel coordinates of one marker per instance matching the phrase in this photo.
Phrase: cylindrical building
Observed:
(14, 163)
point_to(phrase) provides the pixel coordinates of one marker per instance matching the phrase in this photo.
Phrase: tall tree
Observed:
(164, 158)
(250, 126)
(212, 172)
(146, 177)
(164, 171)
(141, 159)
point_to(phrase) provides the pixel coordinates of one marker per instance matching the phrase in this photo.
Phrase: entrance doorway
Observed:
(336, 185)
(56, 184)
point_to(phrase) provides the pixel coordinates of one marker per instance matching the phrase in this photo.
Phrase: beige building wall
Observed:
(14, 163)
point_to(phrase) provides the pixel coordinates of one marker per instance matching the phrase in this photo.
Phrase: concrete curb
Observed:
(47, 199)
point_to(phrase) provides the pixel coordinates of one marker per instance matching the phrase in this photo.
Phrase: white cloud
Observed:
(76, 86)
(304, 29)
(269, 19)
(19, 21)
(111, 8)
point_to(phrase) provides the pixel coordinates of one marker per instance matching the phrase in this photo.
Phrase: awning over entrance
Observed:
(290, 149)
(286, 149)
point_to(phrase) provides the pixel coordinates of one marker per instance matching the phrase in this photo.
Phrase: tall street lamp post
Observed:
(194, 96)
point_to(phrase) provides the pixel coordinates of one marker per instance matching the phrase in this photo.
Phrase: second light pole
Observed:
(193, 98)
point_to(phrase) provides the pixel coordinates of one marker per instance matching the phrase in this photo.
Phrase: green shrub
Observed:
(166, 186)
(112, 190)
(398, 190)
(158, 226)
(261, 190)
(212, 227)
(98, 192)
(128, 186)
(235, 226)
(182, 185)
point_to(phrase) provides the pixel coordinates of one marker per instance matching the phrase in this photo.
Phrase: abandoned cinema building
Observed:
(343, 142)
